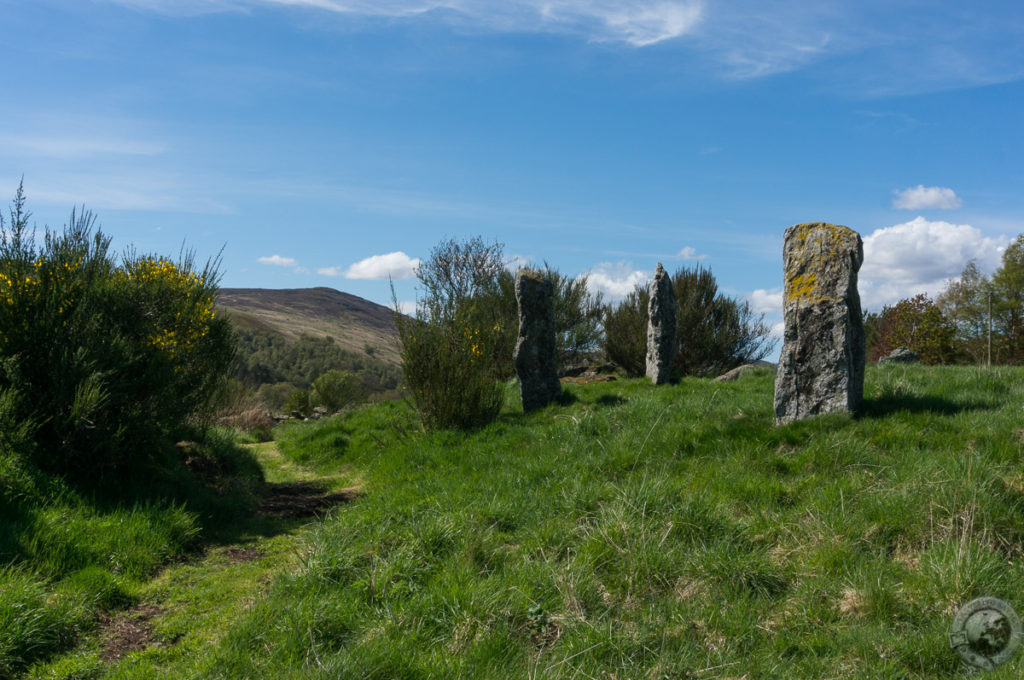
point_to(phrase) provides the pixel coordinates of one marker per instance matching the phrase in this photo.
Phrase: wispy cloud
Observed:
(861, 48)
(634, 22)
(689, 253)
(926, 198)
(77, 147)
(278, 261)
(396, 265)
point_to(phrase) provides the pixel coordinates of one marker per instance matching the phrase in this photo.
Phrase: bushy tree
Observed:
(1008, 294)
(918, 324)
(106, 356)
(965, 305)
(715, 332)
(334, 390)
(448, 347)
(625, 332)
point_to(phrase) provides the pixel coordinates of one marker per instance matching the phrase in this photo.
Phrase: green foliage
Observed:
(299, 401)
(447, 349)
(448, 372)
(625, 332)
(265, 358)
(714, 332)
(105, 356)
(964, 304)
(334, 390)
(917, 324)
(1008, 292)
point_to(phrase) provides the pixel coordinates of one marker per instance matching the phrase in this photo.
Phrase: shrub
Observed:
(334, 390)
(448, 349)
(714, 332)
(625, 332)
(107, 356)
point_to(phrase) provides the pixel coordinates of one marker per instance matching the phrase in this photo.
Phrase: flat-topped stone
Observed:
(821, 367)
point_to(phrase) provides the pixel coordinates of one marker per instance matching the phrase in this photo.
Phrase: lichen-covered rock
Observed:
(661, 327)
(534, 354)
(821, 368)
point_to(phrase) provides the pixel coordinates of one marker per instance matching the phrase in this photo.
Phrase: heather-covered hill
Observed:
(355, 324)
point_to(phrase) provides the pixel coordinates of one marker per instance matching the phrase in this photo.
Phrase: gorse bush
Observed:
(103, 357)
(714, 332)
(449, 374)
(448, 349)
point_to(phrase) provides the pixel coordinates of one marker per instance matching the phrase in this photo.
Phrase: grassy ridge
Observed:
(634, 532)
(641, 532)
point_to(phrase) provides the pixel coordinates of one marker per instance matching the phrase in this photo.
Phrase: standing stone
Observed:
(661, 327)
(821, 369)
(534, 355)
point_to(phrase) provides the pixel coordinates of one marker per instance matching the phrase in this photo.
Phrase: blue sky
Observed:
(334, 142)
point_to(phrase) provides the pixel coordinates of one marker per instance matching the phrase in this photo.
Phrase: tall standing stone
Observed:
(661, 327)
(821, 368)
(534, 354)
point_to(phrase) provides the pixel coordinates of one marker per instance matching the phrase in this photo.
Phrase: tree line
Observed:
(975, 319)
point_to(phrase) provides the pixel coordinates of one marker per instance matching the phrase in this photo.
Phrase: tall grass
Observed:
(633, 532)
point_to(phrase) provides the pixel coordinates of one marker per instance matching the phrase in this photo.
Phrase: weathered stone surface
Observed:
(821, 368)
(661, 327)
(900, 355)
(534, 354)
(737, 373)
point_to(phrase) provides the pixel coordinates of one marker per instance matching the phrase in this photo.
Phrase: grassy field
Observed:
(628, 532)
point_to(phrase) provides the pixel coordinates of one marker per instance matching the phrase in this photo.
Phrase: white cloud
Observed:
(689, 253)
(926, 198)
(407, 307)
(395, 265)
(766, 301)
(516, 262)
(329, 271)
(920, 257)
(278, 261)
(615, 281)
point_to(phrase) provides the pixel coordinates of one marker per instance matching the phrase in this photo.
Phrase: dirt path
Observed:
(187, 606)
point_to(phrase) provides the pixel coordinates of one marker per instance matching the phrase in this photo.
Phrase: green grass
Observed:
(73, 555)
(627, 532)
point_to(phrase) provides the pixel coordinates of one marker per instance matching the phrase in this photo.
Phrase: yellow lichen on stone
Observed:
(810, 249)
(803, 287)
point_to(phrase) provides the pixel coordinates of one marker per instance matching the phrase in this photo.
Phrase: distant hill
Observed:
(353, 322)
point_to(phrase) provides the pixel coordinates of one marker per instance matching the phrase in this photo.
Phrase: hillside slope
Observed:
(353, 322)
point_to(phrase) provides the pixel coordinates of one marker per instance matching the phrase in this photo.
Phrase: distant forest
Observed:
(275, 368)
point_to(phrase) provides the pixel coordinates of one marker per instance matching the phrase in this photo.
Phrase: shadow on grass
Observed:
(888, 404)
(610, 400)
